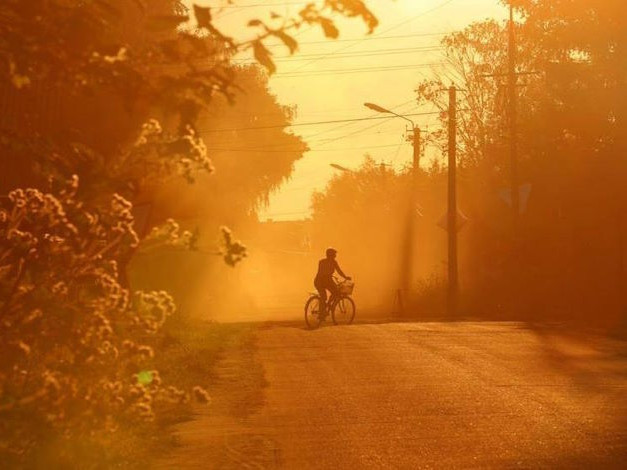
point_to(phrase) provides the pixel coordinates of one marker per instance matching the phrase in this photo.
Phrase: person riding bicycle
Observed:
(324, 278)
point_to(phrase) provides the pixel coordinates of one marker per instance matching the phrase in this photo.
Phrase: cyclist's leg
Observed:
(335, 291)
(322, 293)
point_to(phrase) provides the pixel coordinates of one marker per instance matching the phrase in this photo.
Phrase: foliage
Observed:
(570, 125)
(233, 251)
(362, 214)
(249, 163)
(76, 343)
(154, 156)
(131, 80)
(479, 65)
(565, 256)
(310, 15)
(123, 59)
(110, 65)
(582, 47)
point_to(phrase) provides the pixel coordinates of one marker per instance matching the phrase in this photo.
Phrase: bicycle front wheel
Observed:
(344, 311)
(313, 317)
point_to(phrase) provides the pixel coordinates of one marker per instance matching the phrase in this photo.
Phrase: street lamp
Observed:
(380, 109)
(408, 246)
(415, 138)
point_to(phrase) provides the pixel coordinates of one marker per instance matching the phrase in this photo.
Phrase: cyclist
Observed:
(324, 278)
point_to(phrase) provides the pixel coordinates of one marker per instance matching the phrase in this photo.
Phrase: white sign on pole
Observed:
(524, 191)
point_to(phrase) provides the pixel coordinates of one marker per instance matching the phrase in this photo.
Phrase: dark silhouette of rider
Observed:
(324, 278)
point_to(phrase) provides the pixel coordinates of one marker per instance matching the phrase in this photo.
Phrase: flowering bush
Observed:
(75, 345)
(157, 155)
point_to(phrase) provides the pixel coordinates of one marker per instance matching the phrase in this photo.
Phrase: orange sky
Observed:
(325, 82)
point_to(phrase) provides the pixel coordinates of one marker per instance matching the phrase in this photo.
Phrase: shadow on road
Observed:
(589, 359)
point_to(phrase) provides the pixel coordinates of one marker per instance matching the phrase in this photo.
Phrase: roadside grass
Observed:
(187, 355)
(221, 358)
(218, 357)
(190, 349)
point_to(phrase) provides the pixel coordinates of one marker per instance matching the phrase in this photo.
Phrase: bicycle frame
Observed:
(330, 306)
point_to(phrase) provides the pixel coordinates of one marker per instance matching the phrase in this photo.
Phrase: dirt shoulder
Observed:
(218, 435)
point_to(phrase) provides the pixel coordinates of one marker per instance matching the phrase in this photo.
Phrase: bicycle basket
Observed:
(346, 287)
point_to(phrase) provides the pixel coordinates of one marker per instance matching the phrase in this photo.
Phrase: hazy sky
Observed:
(326, 80)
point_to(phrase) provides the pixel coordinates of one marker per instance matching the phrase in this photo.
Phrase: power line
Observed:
(322, 142)
(350, 123)
(257, 5)
(368, 38)
(352, 134)
(389, 68)
(312, 123)
(299, 57)
(238, 8)
(327, 141)
(359, 131)
(398, 25)
(398, 149)
(258, 149)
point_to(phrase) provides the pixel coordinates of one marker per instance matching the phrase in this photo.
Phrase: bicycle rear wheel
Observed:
(343, 311)
(313, 318)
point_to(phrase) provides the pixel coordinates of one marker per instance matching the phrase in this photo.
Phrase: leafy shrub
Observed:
(76, 344)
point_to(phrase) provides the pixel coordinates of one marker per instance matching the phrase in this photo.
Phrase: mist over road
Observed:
(434, 395)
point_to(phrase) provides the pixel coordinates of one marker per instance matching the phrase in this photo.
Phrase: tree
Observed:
(112, 58)
(74, 358)
(362, 213)
(249, 163)
(569, 136)
(583, 47)
(478, 64)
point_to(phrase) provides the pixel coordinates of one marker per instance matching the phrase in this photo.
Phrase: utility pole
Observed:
(452, 202)
(416, 143)
(513, 119)
(512, 114)
(407, 253)
(410, 227)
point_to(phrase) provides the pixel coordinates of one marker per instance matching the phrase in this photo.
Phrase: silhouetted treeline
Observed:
(565, 258)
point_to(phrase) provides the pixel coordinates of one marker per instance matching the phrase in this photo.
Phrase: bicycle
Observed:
(342, 307)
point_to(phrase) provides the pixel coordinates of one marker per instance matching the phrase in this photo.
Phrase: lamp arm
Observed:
(403, 117)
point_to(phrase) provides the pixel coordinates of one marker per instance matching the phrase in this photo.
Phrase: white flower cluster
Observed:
(73, 340)
(164, 153)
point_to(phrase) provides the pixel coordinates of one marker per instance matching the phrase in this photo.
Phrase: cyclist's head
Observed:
(331, 252)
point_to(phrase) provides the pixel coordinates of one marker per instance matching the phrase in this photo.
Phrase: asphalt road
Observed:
(437, 395)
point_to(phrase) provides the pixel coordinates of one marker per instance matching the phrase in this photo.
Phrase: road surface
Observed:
(436, 395)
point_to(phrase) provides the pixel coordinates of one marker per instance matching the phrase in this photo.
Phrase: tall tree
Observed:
(75, 358)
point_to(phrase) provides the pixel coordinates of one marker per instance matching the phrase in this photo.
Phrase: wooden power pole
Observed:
(513, 118)
(416, 144)
(452, 203)
(409, 249)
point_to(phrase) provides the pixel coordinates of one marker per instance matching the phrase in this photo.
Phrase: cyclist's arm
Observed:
(340, 272)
